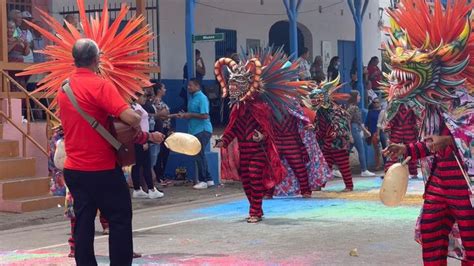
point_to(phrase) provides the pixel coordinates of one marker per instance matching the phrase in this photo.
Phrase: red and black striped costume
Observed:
(72, 243)
(402, 129)
(292, 149)
(332, 132)
(260, 167)
(446, 201)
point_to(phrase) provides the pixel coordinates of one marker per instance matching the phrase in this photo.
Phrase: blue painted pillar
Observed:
(358, 15)
(292, 7)
(190, 8)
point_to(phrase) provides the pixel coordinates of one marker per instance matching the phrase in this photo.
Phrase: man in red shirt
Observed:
(91, 171)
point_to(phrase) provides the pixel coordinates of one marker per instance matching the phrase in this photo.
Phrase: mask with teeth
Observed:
(324, 95)
(424, 68)
(243, 82)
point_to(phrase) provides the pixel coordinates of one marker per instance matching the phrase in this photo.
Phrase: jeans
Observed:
(203, 172)
(161, 161)
(108, 192)
(154, 151)
(359, 144)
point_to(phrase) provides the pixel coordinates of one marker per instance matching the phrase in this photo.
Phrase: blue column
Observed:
(358, 15)
(292, 7)
(190, 8)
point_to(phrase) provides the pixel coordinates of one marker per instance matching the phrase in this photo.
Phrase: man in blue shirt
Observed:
(200, 126)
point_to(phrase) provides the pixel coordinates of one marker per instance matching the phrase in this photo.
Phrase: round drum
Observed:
(395, 183)
(183, 143)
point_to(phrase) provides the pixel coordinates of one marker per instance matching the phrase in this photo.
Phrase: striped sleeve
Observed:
(142, 137)
(417, 150)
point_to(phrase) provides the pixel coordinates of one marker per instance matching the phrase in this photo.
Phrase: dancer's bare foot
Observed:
(306, 195)
(317, 189)
(347, 190)
(268, 197)
(136, 255)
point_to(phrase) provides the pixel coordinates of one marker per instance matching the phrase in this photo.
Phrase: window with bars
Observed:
(22, 5)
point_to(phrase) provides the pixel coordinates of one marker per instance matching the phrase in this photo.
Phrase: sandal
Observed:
(254, 219)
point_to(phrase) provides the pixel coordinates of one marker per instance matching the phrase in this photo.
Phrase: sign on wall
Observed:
(208, 37)
(326, 51)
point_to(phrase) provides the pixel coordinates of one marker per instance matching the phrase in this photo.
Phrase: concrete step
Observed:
(17, 167)
(9, 148)
(28, 204)
(20, 187)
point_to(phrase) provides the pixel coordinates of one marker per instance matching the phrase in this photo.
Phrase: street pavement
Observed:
(330, 229)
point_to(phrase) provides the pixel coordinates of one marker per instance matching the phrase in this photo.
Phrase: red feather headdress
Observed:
(124, 58)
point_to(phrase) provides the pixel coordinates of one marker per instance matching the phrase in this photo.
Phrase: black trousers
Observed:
(108, 192)
(161, 161)
(142, 161)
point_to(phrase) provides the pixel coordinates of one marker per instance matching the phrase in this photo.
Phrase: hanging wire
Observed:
(259, 14)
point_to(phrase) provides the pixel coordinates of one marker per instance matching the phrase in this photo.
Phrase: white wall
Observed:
(329, 25)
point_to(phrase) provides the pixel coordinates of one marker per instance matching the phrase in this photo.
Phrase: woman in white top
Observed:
(142, 156)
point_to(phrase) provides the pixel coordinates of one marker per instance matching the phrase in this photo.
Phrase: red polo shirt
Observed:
(86, 150)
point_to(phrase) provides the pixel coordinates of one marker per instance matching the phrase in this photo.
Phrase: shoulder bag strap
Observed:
(94, 124)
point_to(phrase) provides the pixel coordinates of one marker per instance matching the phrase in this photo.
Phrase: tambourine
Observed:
(395, 184)
(183, 143)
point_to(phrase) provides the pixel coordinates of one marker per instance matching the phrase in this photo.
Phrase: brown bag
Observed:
(126, 135)
(121, 138)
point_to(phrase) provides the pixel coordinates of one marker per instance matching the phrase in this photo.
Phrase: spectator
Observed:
(142, 155)
(358, 131)
(200, 70)
(200, 126)
(15, 16)
(26, 35)
(353, 73)
(381, 123)
(371, 123)
(163, 112)
(91, 173)
(333, 68)
(17, 47)
(200, 67)
(304, 65)
(375, 74)
(316, 70)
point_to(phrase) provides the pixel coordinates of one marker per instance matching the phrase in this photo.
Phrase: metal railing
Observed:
(26, 135)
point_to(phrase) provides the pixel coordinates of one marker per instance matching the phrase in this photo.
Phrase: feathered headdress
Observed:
(265, 73)
(324, 95)
(124, 59)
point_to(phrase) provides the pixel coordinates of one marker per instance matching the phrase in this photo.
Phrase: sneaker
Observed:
(367, 173)
(140, 194)
(336, 173)
(200, 185)
(155, 193)
(210, 183)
